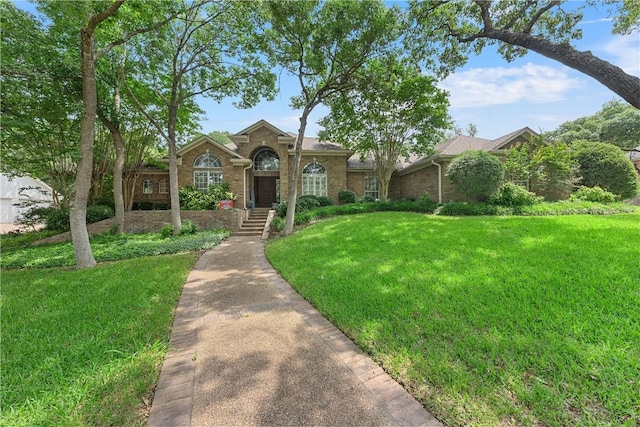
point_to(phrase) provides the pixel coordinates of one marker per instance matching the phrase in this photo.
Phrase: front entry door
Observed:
(265, 191)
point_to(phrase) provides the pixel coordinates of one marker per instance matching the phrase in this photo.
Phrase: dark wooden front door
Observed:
(265, 191)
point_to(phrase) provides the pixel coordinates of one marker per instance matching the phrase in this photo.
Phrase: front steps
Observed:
(255, 224)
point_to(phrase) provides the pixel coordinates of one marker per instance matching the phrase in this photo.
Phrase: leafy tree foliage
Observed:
(221, 137)
(607, 167)
(391, 111)
(323, 44)
(547, 170)
(211, 49)
(451, 30)
(476, 173)
(616, 123)
(39, 104)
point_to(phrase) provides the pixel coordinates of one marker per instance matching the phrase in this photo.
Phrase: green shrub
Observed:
(167, 230)
(281, 210)
(513, 195)
(476, 173)
(367, 199)
(306, 203)
(325, 201)
(97, 213)
(277, 223)
(58, 218)
(195, 200)
(593, 194)
(606, 166)
(188, 227)
(576, 207)
(473, 209)
(346, 196)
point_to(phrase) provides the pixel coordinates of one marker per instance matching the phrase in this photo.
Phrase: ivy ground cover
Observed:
(486, 320)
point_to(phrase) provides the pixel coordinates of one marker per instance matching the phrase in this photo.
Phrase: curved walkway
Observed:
(246, 349)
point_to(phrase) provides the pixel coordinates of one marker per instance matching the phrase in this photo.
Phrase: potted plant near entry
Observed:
(227, 201)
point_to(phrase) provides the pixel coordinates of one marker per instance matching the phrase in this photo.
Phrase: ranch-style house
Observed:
(258, 163)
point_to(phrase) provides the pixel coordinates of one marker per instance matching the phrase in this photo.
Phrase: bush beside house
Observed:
(606, 166)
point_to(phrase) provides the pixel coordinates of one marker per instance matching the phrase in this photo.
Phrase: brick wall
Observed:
(153, 221)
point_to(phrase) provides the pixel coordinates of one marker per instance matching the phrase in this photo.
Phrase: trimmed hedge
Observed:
(476, 173)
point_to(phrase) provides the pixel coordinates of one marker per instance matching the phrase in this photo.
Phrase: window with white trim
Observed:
(163, 186)
(372, 185)
(208, 171)
(147, 186)
(314, 179)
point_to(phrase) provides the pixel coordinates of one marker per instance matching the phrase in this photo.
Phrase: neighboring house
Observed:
(634, 156)
(259, 162)
(10, 195)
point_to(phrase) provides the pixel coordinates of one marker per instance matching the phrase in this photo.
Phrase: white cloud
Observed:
(625, 52)
(595, 21)
(530, 83)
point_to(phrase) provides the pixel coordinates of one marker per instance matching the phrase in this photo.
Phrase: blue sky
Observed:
(497, 96)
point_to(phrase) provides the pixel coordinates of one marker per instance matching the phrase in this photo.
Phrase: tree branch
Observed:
(539, 13)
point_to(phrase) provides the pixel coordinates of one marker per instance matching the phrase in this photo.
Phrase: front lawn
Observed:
(486, 320)
(84, 347)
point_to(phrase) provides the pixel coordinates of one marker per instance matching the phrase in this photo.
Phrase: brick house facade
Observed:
(259, 162)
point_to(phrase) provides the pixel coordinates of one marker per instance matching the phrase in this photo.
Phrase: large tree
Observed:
(616, 123)
(96, 27)
(454, 28)
(323, 45)
(210, 50)
(392, 111)
(39, 103)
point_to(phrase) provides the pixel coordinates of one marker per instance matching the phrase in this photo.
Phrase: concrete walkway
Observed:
(247, 350)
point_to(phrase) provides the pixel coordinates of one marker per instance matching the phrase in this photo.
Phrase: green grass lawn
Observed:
(486, 320)
(84, 347)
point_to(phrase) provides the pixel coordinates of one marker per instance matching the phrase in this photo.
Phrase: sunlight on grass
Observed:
(486, 320)
(84, 347)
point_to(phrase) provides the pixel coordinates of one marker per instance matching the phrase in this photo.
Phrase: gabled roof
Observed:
(202, 139)
(498, 143)
(257, 125)
(461, 143)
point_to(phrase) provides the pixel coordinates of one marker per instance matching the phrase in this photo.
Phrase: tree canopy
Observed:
(323, 44)
(391, 111)
(616, 123)
(448, 31)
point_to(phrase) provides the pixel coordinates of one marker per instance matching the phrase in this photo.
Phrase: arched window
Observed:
(314, 179)
(266, 160)
(208, 171)
(163, 186)
(147, 186)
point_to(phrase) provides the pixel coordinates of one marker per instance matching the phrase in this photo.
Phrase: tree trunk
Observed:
(129, 189)
(623, 84)
(118, 167)
(82, 185)
(293, 179)
(173, 170)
